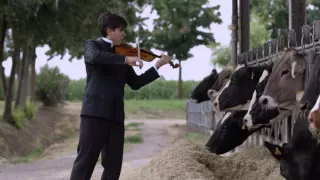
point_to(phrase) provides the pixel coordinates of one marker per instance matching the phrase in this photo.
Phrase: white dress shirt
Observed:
(109, 41)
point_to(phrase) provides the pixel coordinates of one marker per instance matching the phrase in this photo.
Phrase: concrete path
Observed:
(58, 168)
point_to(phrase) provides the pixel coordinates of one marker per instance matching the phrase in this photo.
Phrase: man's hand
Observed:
(165, 59)
(134, 61)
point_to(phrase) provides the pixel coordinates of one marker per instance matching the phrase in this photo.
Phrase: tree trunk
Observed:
(24, 76)
(2, 37)
(7, 115)
(18, 71)
(33, 77)
(180, 82)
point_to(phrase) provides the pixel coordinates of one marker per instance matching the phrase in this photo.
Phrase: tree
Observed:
(63, 25)
(275, 13)
(221, 55)
(177, 29)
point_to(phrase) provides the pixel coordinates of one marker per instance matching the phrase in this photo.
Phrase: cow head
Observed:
(285, 81)
(223, 78)
(236, 94)
(256, 115)
(300, 158)
(312, 89)
(200, 92)
(229, 133)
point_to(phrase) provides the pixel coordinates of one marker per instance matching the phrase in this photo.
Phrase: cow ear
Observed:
(275, 150)
(214, 71)
(298, 65)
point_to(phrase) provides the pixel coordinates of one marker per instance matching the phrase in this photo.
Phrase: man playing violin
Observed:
(102, 113)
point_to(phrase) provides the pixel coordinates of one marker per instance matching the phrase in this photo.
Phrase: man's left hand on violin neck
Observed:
(165, 59)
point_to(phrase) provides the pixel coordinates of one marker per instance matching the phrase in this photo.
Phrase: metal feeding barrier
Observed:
(200, 115)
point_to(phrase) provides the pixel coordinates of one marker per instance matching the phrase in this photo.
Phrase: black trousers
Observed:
(99, 135)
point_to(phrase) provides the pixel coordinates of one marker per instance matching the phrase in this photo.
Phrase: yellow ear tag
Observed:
(277, 152)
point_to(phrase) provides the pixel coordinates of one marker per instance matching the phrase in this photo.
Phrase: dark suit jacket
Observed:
(107, 75)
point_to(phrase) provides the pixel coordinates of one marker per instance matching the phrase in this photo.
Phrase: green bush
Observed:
(30, 109)
(51, 86)
(18, 117)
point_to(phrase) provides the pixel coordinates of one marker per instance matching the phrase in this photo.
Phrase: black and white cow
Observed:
(257, 116)
(200, 92)
(237, 93)
(286, 82)
(229, 133)
(223, 78)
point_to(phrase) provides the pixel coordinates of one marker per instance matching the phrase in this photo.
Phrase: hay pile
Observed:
(185, 160)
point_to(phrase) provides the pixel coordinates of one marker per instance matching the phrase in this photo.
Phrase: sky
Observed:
(195, 68)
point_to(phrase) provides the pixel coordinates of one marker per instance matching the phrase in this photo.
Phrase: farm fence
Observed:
(200, 115)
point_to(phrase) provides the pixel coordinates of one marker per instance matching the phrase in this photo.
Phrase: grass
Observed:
(155, 109)
(34, 155)
(1, 106)
(144, 109)
(133, 133)
(133, 137)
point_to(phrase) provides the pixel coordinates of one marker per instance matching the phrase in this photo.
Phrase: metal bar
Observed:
(290, 13)
(244, 26)
(234, 40)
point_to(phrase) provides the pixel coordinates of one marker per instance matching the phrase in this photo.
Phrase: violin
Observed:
(127, 50)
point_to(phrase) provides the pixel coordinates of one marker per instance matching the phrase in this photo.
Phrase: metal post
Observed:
(234, 40)
(244, 26)
(298, 13)
(290, 14)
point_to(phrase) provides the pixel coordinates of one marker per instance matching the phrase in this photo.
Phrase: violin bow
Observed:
(138, 45)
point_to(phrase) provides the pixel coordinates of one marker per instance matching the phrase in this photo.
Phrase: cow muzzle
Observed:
(247, 121)
(212, 94)
(215, 105)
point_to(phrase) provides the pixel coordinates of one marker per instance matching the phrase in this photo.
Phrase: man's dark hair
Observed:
(110, 21)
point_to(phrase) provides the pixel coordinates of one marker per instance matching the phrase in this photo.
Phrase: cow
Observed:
(300, 157)
(312, 89)
(257, 116)
(310, 99)
(200, 91)
(229, 133)
(223, 78)
(237, 93)
(286, 81)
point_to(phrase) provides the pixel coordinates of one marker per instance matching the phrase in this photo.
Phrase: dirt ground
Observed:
(57, 161)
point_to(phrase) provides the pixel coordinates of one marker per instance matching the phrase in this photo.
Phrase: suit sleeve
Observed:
(137, 81)
(93, 55)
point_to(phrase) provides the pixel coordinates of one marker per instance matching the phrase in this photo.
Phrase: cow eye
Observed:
(227, 76)
(285, 71)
